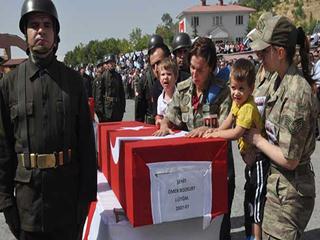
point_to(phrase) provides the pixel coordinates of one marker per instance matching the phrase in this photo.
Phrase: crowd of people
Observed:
(269, 104)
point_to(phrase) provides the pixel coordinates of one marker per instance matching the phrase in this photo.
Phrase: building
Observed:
(220, 22)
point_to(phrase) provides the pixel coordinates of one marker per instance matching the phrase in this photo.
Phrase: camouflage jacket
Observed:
(181, 112)
(291, 116)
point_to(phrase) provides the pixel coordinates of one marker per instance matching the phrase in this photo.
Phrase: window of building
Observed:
(239, 20)
(217, 20)
(194, 21)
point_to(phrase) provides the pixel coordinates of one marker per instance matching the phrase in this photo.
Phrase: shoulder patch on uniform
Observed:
(294, 126)
(184, 84)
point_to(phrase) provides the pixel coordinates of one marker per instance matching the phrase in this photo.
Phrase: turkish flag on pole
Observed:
(181, 26)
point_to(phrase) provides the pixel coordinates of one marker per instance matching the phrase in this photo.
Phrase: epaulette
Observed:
(184, 84)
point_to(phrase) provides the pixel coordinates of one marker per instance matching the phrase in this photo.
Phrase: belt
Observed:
(112, 99)
(43, 161)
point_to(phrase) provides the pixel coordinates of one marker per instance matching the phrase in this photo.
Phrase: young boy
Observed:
(168, 73)
(244, 115)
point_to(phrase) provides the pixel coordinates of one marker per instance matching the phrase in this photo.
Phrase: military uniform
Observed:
(47, 153)
(111, 101)
(87, 81)
(183, 115)
(146, 99)
(290, 124)
(95, 86)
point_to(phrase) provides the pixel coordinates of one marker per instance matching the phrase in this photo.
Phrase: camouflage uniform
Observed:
(264, 83)
(181, 112)
(290, 125)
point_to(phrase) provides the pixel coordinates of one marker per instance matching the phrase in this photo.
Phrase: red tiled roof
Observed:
(217, 8)
(13, 62)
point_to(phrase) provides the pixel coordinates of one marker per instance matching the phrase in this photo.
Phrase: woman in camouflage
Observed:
(290, 126)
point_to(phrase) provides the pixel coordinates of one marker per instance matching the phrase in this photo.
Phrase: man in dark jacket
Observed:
(181, 46)
(111, 100)
(47, 154)
(148, 88)
(87, 80)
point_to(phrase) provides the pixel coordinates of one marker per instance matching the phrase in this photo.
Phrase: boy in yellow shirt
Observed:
(244, 115)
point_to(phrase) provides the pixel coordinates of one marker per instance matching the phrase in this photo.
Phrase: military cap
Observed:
(155, 41)
(41, 6)
(256, 33)
(278, 31)
(181, 40)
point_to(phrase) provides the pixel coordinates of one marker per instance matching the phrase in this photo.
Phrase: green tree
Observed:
(167, 20)
(94, 50)
(167, 29)
(137, 40)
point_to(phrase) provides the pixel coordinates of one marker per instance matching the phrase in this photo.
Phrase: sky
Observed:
(84, 20)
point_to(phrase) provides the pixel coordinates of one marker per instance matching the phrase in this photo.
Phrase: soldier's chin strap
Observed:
(42, 62)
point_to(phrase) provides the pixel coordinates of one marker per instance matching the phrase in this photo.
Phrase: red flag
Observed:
(181, 26)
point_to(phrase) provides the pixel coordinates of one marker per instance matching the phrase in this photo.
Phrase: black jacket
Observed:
(58, 119)
(148, 89)
(111, 101)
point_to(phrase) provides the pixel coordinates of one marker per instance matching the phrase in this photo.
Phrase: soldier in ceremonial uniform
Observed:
(87, 80)
(198, 98)
(97, 79)
(96, 82)
(148, 88)
(290, 125)
(47, 153)
(111, 101)
(181, 45)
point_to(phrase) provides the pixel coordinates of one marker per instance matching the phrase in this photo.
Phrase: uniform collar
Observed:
(51, 69)
(285, 82)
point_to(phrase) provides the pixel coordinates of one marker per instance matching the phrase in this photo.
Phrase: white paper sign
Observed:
(180, 190)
